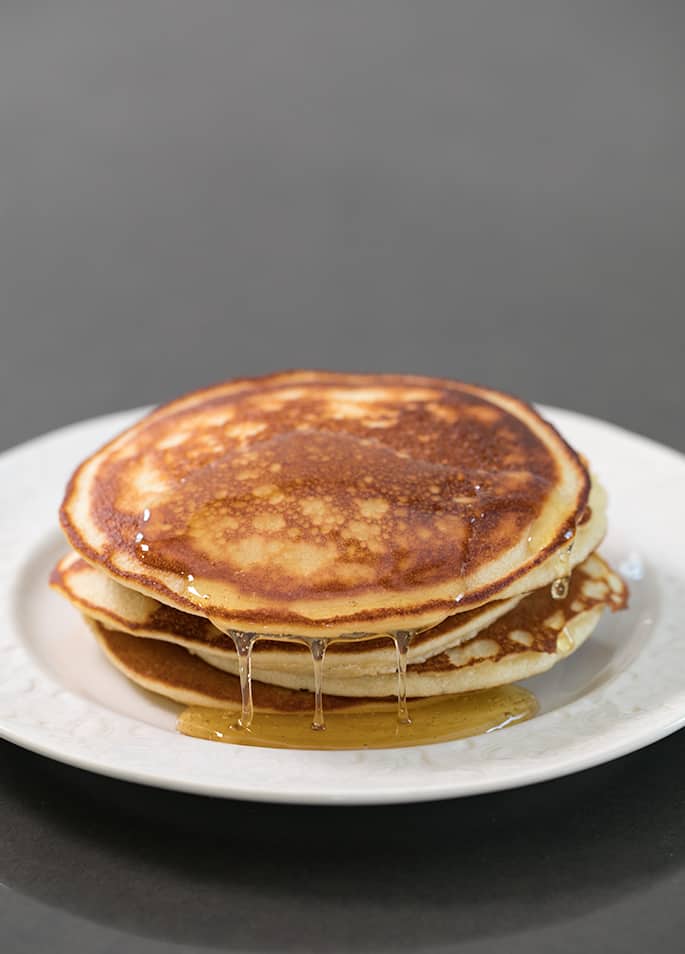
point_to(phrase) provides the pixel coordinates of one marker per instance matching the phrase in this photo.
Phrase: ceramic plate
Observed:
(624, 689)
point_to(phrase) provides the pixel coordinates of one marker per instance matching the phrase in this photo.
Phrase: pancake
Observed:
(289, 663)
(173, 672)
(538, 620)
(310, 503)
(527, 640)
(118, 607)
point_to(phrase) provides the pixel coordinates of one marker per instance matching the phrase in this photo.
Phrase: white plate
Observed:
(624, 689)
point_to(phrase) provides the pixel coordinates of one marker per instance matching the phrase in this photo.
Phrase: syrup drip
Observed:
(244, 643)
(371, 725)
(317, 648)
(559, 589)
(565, 642)
(401, 641)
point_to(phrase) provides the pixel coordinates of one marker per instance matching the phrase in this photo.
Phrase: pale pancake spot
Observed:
(593, 567)
(483, 414)
(381, 422)
(521, 636)
(253, 550)
(556, 620)
(485, 647)
(220, 418)
(374, 399)
(482, 648)
(444, 413)
(347, 410)
(268, 522)
(173, 440)
(285, 395)
(265, 490)
(362, 532)
(245, 429)
(373, 508)
(595, 589)
(315, 508)
(147, 480)
(615, 584)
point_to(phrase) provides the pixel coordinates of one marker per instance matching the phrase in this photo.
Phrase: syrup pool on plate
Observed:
(374, 725)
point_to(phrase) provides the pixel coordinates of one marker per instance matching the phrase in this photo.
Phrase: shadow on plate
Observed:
(277, 878)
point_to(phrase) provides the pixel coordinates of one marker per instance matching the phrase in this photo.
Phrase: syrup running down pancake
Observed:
(364, 536)
(516, 639)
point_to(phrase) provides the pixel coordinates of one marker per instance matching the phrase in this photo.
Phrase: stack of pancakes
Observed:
(350, 508)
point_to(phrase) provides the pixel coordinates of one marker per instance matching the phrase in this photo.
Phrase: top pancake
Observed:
(310, 501)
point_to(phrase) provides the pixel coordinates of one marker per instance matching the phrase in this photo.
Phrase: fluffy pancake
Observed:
(492, 656)
(173, 672)
(529, 639)
(118, 607)
(312, 502)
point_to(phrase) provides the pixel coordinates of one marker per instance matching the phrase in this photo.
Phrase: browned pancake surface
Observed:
(168, 621)
(524, 641)
(164, 667)
(535, 623)
(315, 488)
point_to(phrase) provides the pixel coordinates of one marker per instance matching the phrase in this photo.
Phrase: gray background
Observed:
(492, 191)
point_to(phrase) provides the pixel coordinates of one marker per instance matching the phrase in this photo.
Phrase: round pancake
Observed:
(173, 672)
(118, 607)
(528, 640)
(309, 500)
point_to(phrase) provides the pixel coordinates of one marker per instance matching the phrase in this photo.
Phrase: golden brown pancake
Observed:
(531, 638)
(527, 640)
(313, 502)
(173, 672)
(99, 596)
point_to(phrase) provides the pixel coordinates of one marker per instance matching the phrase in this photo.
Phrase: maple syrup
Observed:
(371, 725)
(559, 588)
(244, 643)
(565, 642)
(317, 648)
(401, 641)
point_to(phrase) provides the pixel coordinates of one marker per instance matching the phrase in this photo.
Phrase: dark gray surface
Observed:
(191, 191)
